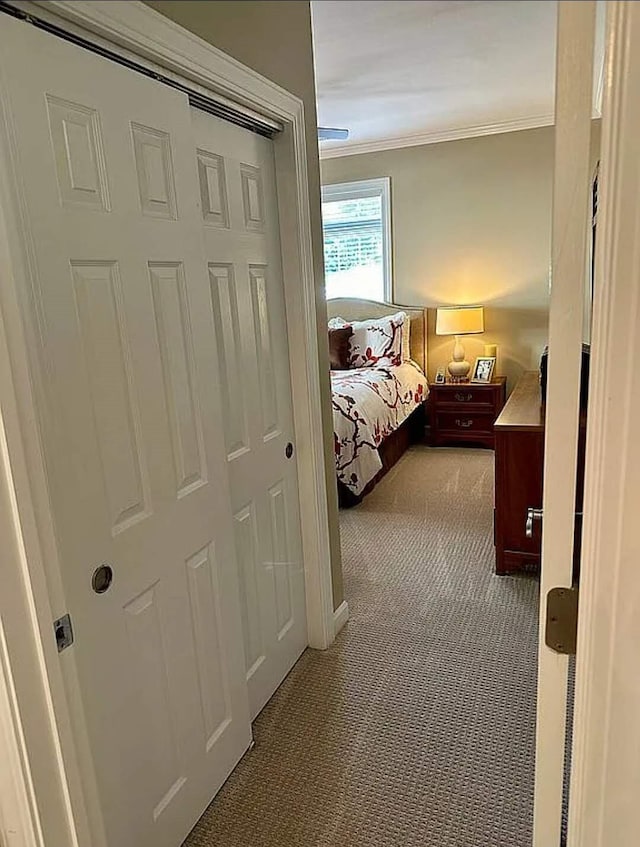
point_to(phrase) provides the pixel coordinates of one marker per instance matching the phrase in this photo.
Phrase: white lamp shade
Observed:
(459, 320)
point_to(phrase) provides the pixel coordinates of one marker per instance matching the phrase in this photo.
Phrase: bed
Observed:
(378, 411)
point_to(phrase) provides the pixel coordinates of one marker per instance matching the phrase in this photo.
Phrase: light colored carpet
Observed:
(417, 727)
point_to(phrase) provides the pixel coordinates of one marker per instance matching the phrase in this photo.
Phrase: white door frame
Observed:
(569, 247)
(18, 817)
(60, 760)
(605, 780)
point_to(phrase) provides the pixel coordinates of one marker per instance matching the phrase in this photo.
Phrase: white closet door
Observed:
(132, 429)
(241, 230)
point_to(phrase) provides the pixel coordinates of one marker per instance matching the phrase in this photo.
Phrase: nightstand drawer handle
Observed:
(464, 424)
(463, 398)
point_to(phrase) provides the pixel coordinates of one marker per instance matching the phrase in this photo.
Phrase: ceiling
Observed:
(409, 72)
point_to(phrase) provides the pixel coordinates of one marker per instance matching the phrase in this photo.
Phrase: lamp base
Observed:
(459, 371)
(459, 367)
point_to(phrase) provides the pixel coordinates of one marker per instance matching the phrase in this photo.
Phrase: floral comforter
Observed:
(369, 404)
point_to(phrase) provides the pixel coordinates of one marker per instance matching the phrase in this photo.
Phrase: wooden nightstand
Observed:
(465, 412)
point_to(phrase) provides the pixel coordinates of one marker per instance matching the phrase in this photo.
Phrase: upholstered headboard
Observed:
(353, 309)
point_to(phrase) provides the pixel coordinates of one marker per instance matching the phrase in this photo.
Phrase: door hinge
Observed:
(63, 631)
(561, 630)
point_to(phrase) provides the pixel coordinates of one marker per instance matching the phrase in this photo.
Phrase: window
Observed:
(356, 227)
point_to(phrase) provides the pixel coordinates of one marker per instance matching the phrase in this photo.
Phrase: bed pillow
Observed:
(339, 353)
(377, 342)
(338, 322)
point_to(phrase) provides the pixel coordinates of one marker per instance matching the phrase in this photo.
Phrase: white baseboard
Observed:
(340, 616)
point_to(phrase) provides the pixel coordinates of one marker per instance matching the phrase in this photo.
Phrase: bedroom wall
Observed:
(471, 222)
(274, 38)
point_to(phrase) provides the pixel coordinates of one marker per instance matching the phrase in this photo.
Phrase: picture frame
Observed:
(440, 377)
(483, 369)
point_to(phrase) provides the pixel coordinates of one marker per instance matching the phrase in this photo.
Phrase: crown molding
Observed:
(436, 137)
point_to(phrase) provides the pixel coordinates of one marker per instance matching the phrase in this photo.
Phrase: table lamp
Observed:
(459, 320)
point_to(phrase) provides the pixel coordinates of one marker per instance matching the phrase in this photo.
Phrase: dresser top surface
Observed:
(523, 410)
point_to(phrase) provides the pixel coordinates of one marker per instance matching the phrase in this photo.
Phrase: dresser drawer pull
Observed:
(532, 515)
(463, 398)
(464, 424)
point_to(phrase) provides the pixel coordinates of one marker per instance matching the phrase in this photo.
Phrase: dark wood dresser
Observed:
(465, 412)
(519, 444)
(519, 474)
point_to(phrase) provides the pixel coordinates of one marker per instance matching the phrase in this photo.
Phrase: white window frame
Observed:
(379, 187)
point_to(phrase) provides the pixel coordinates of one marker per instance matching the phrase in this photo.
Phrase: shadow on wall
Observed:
(518, 349)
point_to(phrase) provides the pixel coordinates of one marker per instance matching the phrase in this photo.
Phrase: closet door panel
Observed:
(242, 244)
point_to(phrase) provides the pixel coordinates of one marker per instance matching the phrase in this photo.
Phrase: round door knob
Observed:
(288, 450)
(102, 579)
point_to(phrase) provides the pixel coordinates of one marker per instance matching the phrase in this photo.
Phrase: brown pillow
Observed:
(339, 348)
